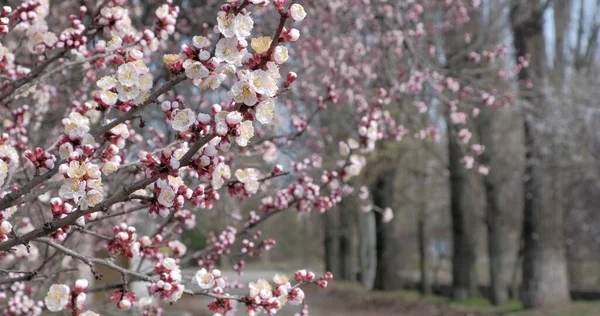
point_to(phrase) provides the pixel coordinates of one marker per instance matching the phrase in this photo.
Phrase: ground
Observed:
(345, 299)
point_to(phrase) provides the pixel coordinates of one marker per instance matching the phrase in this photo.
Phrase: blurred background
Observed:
(484, 198)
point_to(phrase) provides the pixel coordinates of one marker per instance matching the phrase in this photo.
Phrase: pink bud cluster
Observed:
(60, 210)
(221, 245)
(170, 194)
(124, 242)
(168, 287)
(17, 127)
(5, 230)
(26, 12)
(124, 299)
(166, 164)
(40, 158)
(4, 19)
(73, 37)
(164, 21)
(149, 247)
(21, 302)
(186, 218)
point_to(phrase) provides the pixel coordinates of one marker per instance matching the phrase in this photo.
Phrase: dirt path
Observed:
(338, 301)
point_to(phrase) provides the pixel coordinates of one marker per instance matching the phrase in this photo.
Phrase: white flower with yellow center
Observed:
(246, 133)
(89, 313)
(227, 50)
(243, 25)
(145, 82)
(65, 150)
(200, 42)
(273, 70)
(108, 97)
(281, 279)
(120, 130)
(106, 83)
(57, 297)
(249, 177)
(265, 111)
(262, 82)
(204, 279)
(3, 172)
(127, 93)
(10, 154)
(76, 125)
(183, 120)
(127, 74)
(281, 54)
(262, 288)
(72, 189)
(226, 24)
(220, 174)
(243, 92)
(77, 170)
(167, 196)
(195, 69)
(297, 12)
(114, 44)
(261, 44)
(162, 11)
(91, 199)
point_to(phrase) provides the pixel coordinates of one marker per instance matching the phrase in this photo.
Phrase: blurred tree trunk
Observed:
(545, 279)
(332, 242)
(496, 230)
(425, 279)
(464, 221)
(368, 249)
(387, 276)
(463, 206)
(562, 21)
(346, 239)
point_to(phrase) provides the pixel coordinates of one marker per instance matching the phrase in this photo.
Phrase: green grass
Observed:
(574, 309)
(481, 304)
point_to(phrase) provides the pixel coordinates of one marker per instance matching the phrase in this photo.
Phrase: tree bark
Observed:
(346, 240)
(331, 242)
(368, 250)
(387, 275)
(464, 221)
(545, 279)
(496, 230)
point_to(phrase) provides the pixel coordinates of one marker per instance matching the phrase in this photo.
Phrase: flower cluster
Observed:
(170, 193)
(83, 184)
(40, 158)
(9, 159)
(168, 288)
(124, 299)
(21, 302)
(124, 241)
(130, 85)
(60, 296)
(76, 137)
(115, 21)
(4, 19)
(221, 245)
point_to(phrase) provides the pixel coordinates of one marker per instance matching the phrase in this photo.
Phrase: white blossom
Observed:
(183, 120)
(265, 111)
(205, 279)
(57, 297)
(220, 174)
(246, 132)
(297, 12)
(249, 177)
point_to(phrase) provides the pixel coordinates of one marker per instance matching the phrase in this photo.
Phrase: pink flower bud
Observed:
(5, 228)
(81, 285)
